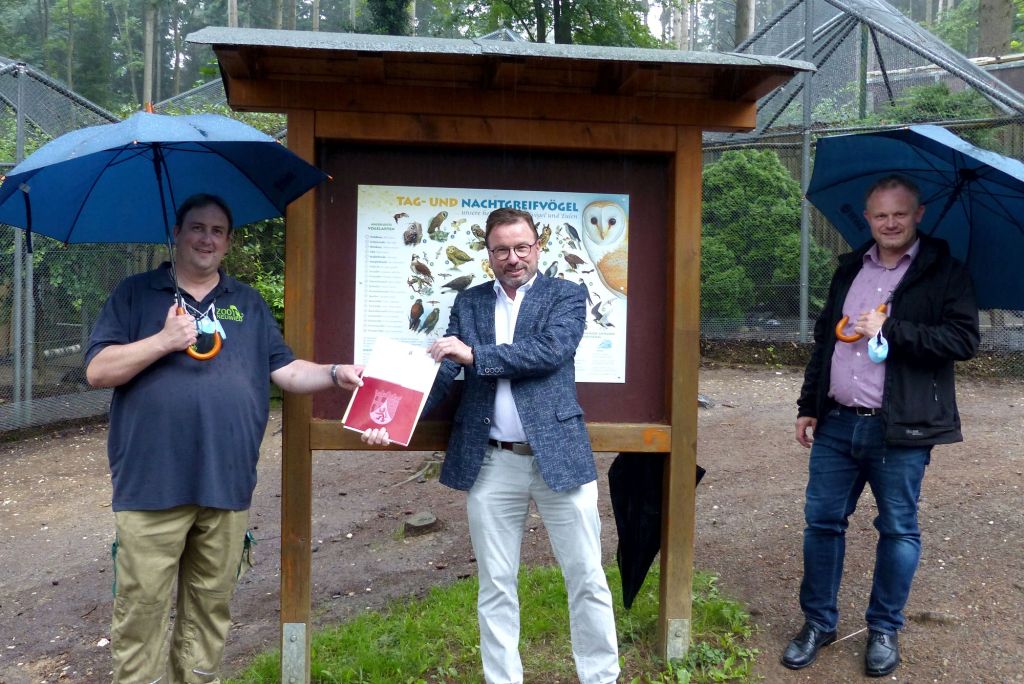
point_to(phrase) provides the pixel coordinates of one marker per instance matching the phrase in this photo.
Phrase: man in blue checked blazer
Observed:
(518, 435)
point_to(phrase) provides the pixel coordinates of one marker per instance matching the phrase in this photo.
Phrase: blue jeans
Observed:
(849, 451)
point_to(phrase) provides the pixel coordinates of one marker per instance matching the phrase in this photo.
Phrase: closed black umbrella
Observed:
(634, 484)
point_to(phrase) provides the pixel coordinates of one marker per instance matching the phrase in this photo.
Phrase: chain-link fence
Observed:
(47, 297)
(875, 69)
(751, 253)
(765, 304)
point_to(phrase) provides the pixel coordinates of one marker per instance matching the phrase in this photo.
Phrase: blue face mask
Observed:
(878, 348)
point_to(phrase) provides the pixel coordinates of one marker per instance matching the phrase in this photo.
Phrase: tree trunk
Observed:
(542, 25)
(44, 29)
(176, 74)
(995, 22)
(278, 13)
(744, 20)
(315, 15)
(290, 15)
(681, 27)
(158, 51)
(122, 29)
(147, 58)
(71, 46)
(233, 13)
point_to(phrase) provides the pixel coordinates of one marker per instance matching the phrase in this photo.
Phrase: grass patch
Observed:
(435, 639)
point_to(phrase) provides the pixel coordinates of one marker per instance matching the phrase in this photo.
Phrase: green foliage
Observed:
(935, 103)
(752, 210)
(725, 288)
(435, 639)
(586, 22)
(256, 257)
(958, 27)
(390, 17)
(787, 269)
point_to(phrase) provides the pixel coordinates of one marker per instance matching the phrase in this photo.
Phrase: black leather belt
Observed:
(861, 410)
(521, 448)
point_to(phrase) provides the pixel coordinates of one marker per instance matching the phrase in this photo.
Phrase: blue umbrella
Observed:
(974, 198)
(121, 182)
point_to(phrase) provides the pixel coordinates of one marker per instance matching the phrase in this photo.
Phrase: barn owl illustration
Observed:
(606, 238)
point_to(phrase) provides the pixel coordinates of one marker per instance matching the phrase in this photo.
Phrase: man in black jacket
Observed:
(878, 393)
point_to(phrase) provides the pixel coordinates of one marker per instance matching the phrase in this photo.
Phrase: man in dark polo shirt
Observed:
(184, 441)
(878, 394)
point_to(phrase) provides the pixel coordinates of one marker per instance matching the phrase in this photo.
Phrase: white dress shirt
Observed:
(505, 424)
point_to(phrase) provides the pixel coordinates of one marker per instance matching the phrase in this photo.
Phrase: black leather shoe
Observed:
(803, 649)
(882, 655)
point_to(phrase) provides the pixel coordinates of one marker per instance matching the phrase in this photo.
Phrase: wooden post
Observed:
(678, 502)
(296, 455)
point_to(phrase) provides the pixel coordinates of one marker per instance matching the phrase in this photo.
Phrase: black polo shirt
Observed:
(185, 431)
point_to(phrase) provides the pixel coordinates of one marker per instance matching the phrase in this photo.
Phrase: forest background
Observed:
(122, 53)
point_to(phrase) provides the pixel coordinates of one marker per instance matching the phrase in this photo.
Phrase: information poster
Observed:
(418, 247)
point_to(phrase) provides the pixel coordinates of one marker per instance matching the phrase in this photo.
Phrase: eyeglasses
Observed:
(522, 251)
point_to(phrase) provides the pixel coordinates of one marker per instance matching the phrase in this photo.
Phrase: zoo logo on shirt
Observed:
(231, 313)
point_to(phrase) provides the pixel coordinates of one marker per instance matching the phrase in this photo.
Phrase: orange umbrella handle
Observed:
(842, 337)
(203, 356)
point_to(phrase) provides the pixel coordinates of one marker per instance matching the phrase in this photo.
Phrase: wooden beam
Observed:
(371, 67)
(709, 114)
(502, 74)
(678, 500)
(329, 435)
(233, 61)
(469, 131)
(296, 455)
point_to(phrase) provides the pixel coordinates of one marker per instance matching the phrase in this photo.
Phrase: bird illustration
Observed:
(418, 285)
(421, 269)
(457, 256)
(573, 260)
(574, 237)
(551, 270)
(457, 223)
(415, 313)
(485, 264)
(431, 321)
(400, 215)
(602, 312)
(413, 233)
(434, 226)
(606, 238)
(545, 235)
(477, 230)
(459, 284)
(477, 245)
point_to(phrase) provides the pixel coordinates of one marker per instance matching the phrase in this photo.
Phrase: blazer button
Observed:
(487, 421)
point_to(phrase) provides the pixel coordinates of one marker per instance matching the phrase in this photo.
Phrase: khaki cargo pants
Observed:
(202, 548)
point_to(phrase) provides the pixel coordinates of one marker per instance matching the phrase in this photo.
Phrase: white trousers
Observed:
(497, 507)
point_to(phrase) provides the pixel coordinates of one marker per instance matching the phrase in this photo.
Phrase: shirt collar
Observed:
(522, 289)
(911, 254)
(160, 279)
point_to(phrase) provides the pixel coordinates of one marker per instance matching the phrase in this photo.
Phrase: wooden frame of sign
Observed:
(495, 104)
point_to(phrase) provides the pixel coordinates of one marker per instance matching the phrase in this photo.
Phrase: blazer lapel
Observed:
(483, 311)
(533, 303)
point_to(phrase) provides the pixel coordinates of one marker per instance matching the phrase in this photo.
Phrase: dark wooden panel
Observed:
(643, 398)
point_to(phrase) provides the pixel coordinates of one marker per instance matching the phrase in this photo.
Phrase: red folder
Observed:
(382, 404)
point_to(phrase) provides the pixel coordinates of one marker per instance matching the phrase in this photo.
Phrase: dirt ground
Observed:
(966, 610)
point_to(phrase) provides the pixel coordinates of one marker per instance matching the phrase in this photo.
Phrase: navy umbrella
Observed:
(974, 198)
(122, 182)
